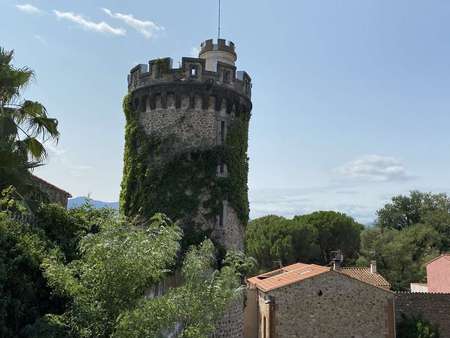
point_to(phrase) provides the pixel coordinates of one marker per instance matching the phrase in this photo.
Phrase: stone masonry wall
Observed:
(332, 305)
(195, 128)
(192, 127)
(232, 323)
(434, 307)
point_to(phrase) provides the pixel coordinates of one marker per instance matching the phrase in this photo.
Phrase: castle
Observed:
(186, 149)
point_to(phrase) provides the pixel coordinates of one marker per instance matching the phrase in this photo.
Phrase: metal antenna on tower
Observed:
(218, 27)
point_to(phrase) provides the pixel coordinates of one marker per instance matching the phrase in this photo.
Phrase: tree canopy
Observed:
(120, 263)
(25, 293)
(409, 231)
(274, 240)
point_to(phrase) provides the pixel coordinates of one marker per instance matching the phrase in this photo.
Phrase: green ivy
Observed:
(155, 179)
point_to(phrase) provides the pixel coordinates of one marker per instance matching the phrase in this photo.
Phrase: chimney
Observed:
(373, 266)
(337, 260)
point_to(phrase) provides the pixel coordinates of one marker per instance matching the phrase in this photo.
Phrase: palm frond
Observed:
(35, 148)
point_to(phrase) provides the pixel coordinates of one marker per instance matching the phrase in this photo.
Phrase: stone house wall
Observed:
(54, 194)
(330, 305)
(251, 313)
(434, 307)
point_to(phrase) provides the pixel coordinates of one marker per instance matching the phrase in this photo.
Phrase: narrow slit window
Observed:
(226, 77)
(264, 327)
(158, 71)
(222, 132)
(221, 216)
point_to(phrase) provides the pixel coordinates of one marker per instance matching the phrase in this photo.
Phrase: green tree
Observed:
(335, 231)
(400, 254)
(416, 327)
(118, 265)
(192, 309)
(66, 228)
(404, 211)
(24, 293)
(24, 126)
(272, 240)
(409, 231)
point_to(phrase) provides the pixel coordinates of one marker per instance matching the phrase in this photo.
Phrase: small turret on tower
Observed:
(222, 51)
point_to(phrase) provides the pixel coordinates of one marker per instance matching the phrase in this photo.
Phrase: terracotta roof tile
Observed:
(364, 275)
(298, 272)
(286, 276)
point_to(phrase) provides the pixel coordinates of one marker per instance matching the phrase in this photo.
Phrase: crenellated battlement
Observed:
(219, 45)
(160, 71)
(187, 98)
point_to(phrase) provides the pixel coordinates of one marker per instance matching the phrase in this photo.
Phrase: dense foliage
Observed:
(24, 127)
(158, 179)
(416, 327)
(190, 310)
(97, 270)
(409, 231)
(120, 263)
(25, 241)
(335, 231)
(275, 240)
(23, 290)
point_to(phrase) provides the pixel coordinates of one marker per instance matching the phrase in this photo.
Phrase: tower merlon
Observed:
(221, 45)
(191, 70)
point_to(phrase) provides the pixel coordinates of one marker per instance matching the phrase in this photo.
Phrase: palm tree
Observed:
(24, 126)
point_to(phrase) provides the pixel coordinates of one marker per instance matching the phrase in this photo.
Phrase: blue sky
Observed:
(351, 98)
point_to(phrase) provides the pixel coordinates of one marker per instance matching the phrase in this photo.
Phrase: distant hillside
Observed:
(79, 201)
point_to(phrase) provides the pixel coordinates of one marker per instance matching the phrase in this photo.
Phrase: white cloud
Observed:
(147, 28)
(29, 9)
(60, 156)
(40, 39)
(291, 202)
(100, 27)
(375, 168)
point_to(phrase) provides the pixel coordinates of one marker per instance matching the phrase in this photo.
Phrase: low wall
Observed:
(434, 307)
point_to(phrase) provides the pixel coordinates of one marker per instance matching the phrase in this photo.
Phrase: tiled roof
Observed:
(365, 275)
(298, 272)
(286, 276)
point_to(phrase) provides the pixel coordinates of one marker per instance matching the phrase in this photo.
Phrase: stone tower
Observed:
(186, 150)
(186, 144)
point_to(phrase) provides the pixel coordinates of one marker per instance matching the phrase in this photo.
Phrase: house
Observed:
(308, 300)
(54, 194)
(438, 276)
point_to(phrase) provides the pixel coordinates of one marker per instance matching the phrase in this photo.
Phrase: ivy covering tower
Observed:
(186, 144)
